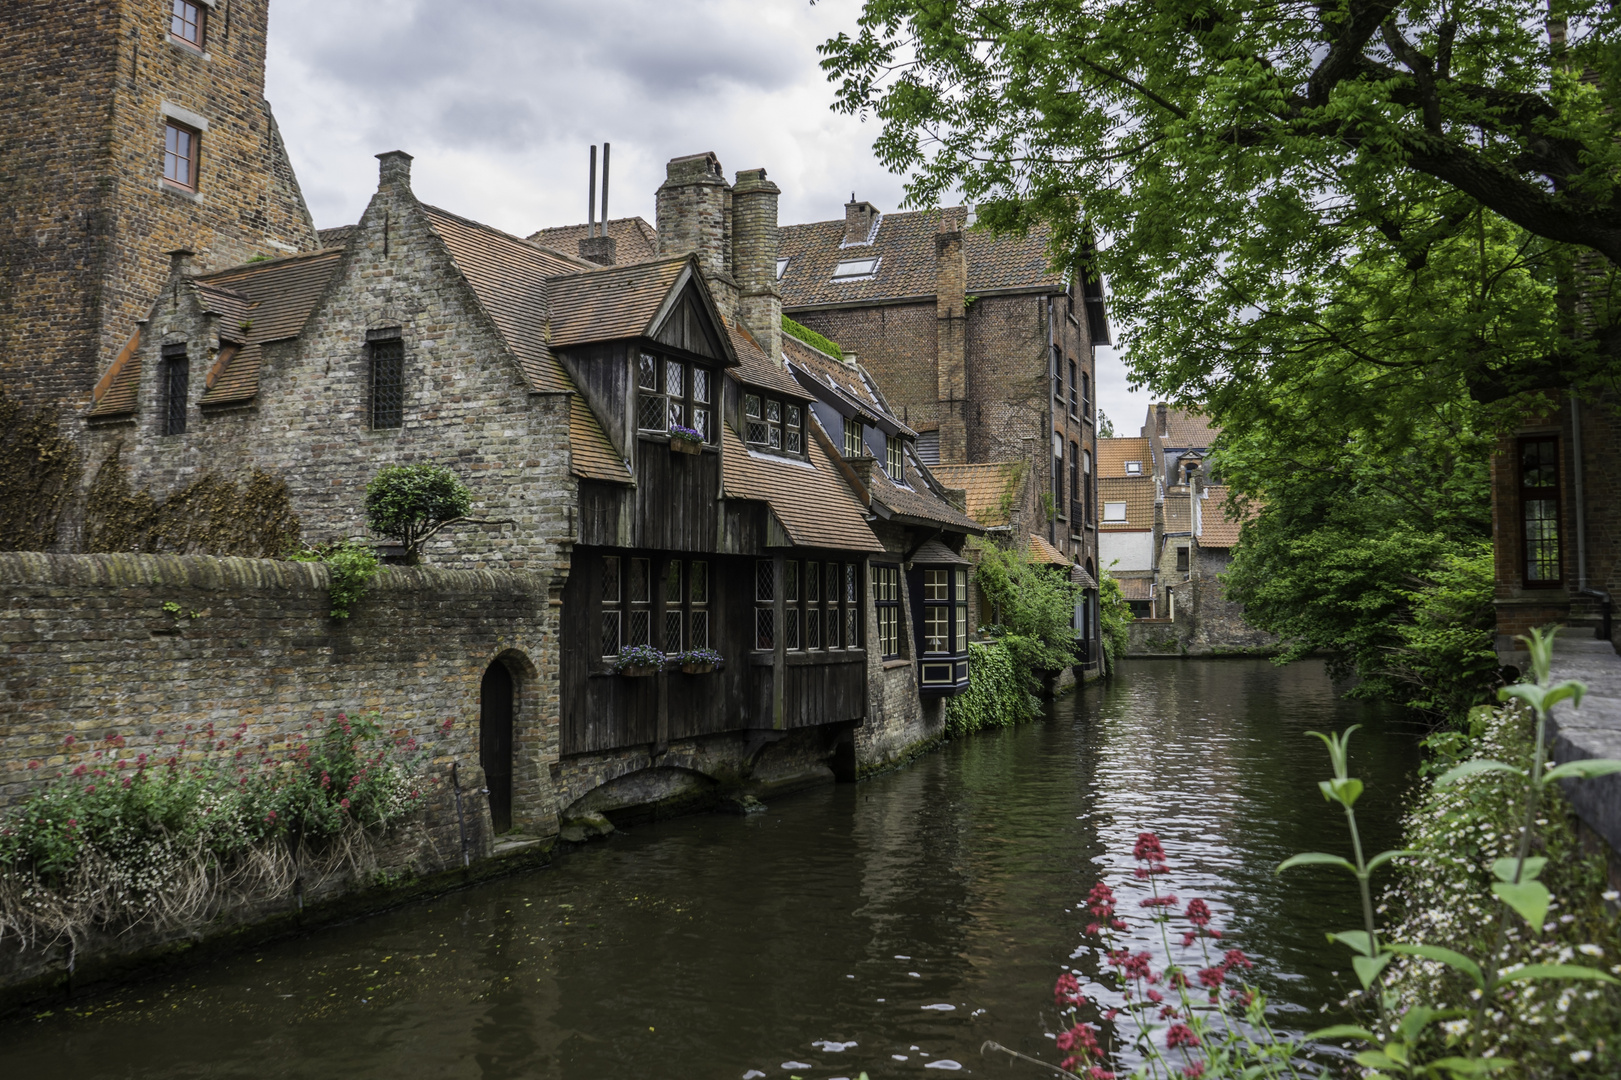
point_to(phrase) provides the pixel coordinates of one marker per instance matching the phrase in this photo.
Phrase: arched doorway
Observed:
(495, 701)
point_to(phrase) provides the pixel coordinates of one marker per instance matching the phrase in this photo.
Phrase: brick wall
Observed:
(84, 217)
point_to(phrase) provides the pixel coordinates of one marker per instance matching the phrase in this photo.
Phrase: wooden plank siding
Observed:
(824, 688)
(677, 498)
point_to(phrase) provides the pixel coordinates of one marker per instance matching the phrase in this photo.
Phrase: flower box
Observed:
(686, 446)
(638, 661)
(697, 668)
(640, 671)
(700, 661)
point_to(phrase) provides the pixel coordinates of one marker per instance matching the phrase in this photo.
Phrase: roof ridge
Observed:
(266, 263)
(593, 268)
(516, 239)
(887, 216)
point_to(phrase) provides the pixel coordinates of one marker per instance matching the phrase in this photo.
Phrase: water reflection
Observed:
(886, 926)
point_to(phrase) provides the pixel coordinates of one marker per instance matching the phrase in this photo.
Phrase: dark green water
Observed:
(717, 946)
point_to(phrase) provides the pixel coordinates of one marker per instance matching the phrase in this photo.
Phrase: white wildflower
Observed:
(1611, 895)
(1455, 1028)
(1591, 950)
(1581, 1057)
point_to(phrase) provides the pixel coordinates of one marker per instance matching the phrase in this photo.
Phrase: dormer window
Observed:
(854, 445)
(776, 424)
(893, 463)
(855, 268)
(1134, 468)
(188, 22)
(673, 393)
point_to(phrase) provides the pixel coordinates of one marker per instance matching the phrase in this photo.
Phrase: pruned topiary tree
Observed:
(410, 503)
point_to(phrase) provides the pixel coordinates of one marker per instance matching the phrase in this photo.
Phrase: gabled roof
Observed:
(508, 275)
(1114, 453)
(904, 244)
(591, 455)
(993, 488)
(812, 503)
(610, 303)
(1043, 552)
(256, 303)
(757, 370)
(634, 239)
(917, 500)
(1136, 492)
(1219, 525)
(936, 553)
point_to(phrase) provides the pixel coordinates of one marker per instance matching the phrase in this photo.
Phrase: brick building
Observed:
(1556, 521)
(128, 129)
(981, 348)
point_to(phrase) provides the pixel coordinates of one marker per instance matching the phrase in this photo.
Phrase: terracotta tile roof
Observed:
(114, 394)
(1114, 453)
(611, 303)
(337, 236)
(259, 303)
(1136, 588)
(992, 488)
(1043, 552)
(591, 455)
(1178, 511)
(508, 275)
(933, 551)
(754, 368)
(1138, 495)
(1220, 524)
(634, 239)
(813, 504)
(905, 246)
(918, 500)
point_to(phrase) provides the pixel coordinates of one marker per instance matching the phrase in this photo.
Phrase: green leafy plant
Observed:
(1114, 618)
(996, 695)
(1035, 608)
(351, 568)
(411, 503)
(811, 338)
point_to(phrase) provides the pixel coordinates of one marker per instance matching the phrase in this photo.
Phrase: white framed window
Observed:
(893, 463)
(854, 444)
(854, 268)
(1134, 468)
(1114, 511)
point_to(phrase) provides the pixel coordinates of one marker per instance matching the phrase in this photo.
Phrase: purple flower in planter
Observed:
(685, 433)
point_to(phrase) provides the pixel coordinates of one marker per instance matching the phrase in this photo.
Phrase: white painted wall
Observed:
(1134, 550)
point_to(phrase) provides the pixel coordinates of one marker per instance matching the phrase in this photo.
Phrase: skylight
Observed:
(1134, 468)
(782, 265)
(850, 268)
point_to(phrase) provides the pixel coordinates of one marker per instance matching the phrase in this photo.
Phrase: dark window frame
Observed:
(1074, 395)
(192, 156)
(1540, 494)
(1184, 559)
(386, 404)
(953, 605)
(886, 602)
(175, 371)
(695, 412)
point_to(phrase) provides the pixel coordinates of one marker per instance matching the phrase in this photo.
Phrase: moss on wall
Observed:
(39, 471)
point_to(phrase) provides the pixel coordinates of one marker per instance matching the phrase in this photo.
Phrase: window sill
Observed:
(169, 187)
(188, 48)
(897, 662)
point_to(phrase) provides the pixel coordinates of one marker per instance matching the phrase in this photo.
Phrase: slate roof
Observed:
(904, 245)
(934, 552)
(813, 504)
(1114, 453)
(1220, 526)
(850, 384)
(634, 239)
(1079, 576)
(1138, 495)
(591, 455)
(1043, 552)
(508, 275)
(992, 488)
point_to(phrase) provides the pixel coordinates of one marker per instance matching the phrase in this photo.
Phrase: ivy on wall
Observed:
(210, 516)
(39, 472)
(996, 696)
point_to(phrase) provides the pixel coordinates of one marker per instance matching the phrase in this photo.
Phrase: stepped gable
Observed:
(591, 455)
(634, 239)
(992, 488)
(509, 277)
(908, 267)
(257, 303)
(812, 503)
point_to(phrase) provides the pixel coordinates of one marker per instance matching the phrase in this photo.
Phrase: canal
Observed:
(891, 926)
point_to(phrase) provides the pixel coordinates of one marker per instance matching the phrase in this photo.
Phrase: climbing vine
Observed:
(996, 696)
(39, 472)
(210, 516)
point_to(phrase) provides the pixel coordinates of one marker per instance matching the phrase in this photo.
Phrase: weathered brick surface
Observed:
(85, 219)
(899, 722)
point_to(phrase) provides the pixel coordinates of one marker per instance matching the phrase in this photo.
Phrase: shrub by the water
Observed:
(118, 838)
(996, 696)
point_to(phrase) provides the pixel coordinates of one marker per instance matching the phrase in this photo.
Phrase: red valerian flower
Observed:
(1067, 987)
(68, 741)
(1213, 977)
(1235, 958)
(1148, 848)
(1155, 996)
(1098, 1072)
(34, 764)
(1158, 901)
(1194, 1071)
(1180, 1035)
(81, 770)
(1198, 913)
(1100, 901)
(1245, 998)
(344, 803)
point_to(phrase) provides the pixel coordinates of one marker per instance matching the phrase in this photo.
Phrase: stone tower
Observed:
(128, 129)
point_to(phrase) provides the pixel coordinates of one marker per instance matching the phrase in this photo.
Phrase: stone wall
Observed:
(85, 217)
(1206, 622)
(91, 652)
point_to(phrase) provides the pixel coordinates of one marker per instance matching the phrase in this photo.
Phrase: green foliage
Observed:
(811, 338)
(118, 837)
(1445, 664)
(1114, 617)
(1317, 177)
(1105, 425)
(1036, 608)
(410, 503)
(996, 695)
(351, 566)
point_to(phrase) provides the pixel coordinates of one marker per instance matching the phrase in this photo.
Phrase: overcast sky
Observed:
(500, 100)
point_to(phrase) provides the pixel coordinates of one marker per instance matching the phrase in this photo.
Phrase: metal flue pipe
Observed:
(605, 189)
(591, 198)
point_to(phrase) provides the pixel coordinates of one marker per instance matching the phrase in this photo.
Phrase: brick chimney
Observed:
(394, 171)
(1161, 427)
(858, 219)
(695, 216)
(601, 250)
(754, 258)
(951, 337)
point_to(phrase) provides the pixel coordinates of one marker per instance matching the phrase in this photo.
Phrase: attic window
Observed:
(672, 394)
(782, 268)
(854, 445)
(1134, 468)
(1114, 511)
(854, 268)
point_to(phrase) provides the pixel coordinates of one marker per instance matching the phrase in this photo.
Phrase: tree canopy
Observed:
(1286, 199)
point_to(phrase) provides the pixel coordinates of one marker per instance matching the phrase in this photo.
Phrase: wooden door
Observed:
(495, 742)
